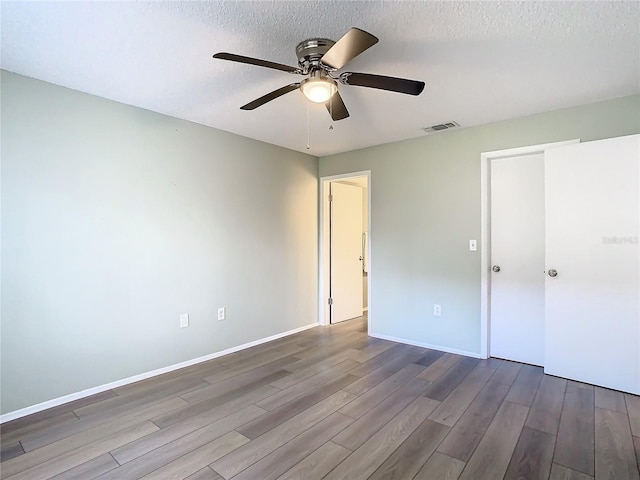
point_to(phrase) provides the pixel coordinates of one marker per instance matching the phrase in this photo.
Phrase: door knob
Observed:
(553, 272)
(496, 268)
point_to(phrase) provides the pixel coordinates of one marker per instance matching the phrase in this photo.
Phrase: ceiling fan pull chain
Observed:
(308, 129)
(331, 112)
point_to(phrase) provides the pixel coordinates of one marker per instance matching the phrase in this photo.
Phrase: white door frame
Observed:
(323, 264)
(485, 230)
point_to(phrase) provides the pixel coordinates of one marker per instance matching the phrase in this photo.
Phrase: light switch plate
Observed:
(184, 320)
(473, 245)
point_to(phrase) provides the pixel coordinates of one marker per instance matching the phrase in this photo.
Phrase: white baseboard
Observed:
(427, 345)
(142, 376)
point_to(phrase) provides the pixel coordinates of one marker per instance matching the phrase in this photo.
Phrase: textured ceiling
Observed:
(481, 61)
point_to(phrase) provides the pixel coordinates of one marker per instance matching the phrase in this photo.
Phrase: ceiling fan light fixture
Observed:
(318, 89)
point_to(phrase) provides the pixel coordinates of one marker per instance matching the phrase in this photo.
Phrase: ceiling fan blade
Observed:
(393, 84)
(352, 44)
(336, 107)
(256, 61)
(270, 96)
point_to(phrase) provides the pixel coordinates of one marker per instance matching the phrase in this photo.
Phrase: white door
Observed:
(346, 250)
(592, 227)
(517, 252)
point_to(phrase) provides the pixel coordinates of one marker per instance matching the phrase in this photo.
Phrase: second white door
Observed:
(593, 256)
(517, 259)
(346, 251)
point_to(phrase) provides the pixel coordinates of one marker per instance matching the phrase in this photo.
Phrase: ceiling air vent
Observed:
(441, 126)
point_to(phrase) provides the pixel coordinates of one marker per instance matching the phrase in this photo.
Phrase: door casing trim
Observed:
(485, 230)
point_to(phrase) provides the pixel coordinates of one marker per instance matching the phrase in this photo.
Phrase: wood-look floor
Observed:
(333, 403)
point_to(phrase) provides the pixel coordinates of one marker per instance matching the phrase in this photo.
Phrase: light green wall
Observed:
(115, 220)
(425, 197)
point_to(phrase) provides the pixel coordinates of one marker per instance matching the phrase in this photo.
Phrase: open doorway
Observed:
(345, 250)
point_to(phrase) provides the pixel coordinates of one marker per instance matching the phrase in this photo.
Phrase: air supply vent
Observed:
(441, 126)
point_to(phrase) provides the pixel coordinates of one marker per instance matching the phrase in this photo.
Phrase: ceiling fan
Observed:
(319, 59)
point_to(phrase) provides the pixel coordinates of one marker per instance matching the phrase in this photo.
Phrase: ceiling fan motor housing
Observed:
(309, 53)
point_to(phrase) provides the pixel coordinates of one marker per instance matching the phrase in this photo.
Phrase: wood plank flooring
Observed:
(332, 403)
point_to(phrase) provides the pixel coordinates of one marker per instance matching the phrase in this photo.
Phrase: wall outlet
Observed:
(473, 245)
(184, 320)
(437, 310)
(221, 313)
